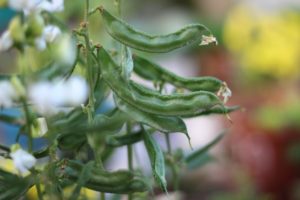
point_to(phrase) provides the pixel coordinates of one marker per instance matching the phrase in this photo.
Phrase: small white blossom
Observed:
(208, 39)
(29, 6)
(53, 6)
(225, 92)
(51, 33)
(7, 94)
(77, 91)
(50, 97)
(5, 41)
(23, 160)
(25, 5)
(40, 43)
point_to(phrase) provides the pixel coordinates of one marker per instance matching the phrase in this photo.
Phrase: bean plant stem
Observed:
(169, 147)
(129, 150)
(91, 102)
(38, 188)
(28, 124)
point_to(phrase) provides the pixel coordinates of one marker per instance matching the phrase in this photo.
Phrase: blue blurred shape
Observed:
(8, 132)
(5, 15)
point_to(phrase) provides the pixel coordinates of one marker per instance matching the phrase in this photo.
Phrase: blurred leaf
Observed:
(84, 176)
(200, 157)
(157, 160)
(13, 187)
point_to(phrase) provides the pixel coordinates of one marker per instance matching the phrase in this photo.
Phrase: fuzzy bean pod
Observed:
(136, 39)
(153, 72)
(151, 101)
(121, 182)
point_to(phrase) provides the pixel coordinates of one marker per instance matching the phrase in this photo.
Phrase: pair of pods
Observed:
(150, 101)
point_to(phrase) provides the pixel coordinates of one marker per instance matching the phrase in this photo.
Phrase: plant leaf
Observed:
(200, 156)
(13, 187)
(157, 160)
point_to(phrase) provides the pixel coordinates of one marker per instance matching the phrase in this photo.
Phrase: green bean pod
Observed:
(153, 72)
(151, 101)
(166, 124)
(215, 110)
(136, 39)
(122, 181)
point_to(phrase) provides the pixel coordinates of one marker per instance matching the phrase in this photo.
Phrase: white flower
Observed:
(77, 91)
(225, 92)
(40, 43)
(25, 5)
(23, 160)
(53, 6)
(29, 6)
(5, 41)
(51, 33)
(208, 39)
(50, 97)
(7, 94)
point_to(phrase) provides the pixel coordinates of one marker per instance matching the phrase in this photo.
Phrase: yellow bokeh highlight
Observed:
(264, 42)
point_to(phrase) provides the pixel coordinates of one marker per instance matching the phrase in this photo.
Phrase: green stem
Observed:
(129, 150)
(129, 156)
(169, 147)
(28, 124)
(90, 74)
(38, 189)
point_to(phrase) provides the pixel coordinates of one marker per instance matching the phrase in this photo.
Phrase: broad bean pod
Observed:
(151, 101)
(136, 39)
(151, 71)
(165, 124)
(122, 181)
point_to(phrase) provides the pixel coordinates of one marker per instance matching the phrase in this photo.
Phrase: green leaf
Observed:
(200, 156)
(13, 187)
(83, 178)
(157, 160)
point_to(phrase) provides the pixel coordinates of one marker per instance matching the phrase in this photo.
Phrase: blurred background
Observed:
(258, 56)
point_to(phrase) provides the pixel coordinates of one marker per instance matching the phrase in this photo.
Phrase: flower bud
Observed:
(35, 25)
(40, 128)
(16, 30)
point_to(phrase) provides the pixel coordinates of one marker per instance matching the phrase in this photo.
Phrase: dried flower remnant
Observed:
(225, 92)
(206, 40)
